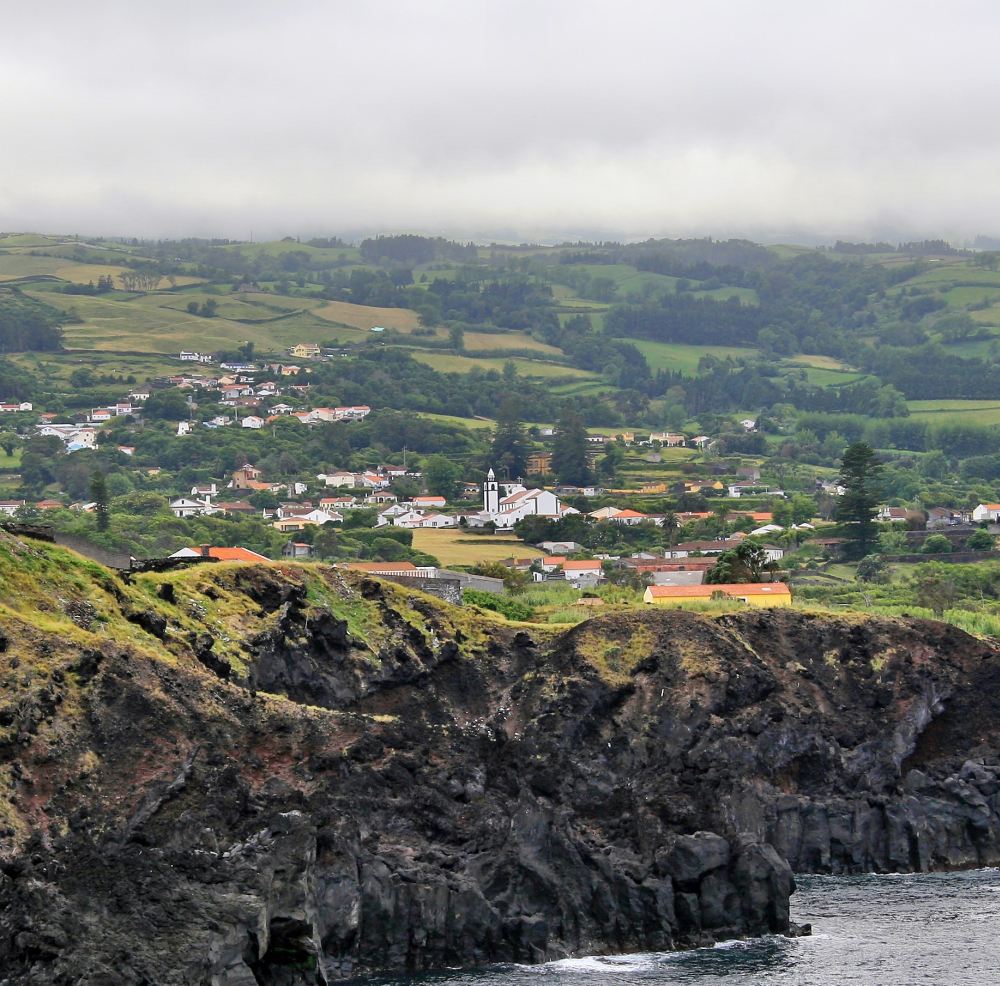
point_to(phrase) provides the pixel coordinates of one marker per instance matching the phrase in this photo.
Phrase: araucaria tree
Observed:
(99, 494)
(570, 461)
(860, 474)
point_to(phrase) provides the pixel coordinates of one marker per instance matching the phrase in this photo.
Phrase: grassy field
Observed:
(457, 547)
(684, 358)
(57, 367)
(159, 323)
(508, 340)
(275, 248)
(453, 363)
(963, 412)
(818, 361)
(30, 240)
(364, 317)
(450, 419)
(18, 265)
(819, 377)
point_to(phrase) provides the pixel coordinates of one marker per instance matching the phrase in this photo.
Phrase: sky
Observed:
(507, 119)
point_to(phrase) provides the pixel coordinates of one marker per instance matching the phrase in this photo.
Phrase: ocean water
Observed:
(934, 929)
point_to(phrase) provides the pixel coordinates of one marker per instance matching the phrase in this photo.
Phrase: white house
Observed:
(339, 478)
(437, 520)
(986, 511)
(252, 421)
(736, 490)
(323, 516)
(424, 502)
(398, 516)
(667, 438)
(185, 507)
(604, 513)
(577, 571)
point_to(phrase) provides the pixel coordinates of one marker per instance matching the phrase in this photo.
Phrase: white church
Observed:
(506, 503)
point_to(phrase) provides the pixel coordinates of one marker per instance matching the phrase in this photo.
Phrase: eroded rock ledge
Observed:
(367, 781)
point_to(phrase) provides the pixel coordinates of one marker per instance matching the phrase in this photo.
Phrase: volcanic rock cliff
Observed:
(273, 775)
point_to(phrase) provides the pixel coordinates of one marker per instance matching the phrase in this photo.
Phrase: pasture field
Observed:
(987, 316)
(364, 317)
(681, 357)
(453, 363)
(596, 315)
(57, 367)
(29, 241)
(275, 248)
(975, 348)
(964, 295)
(747, 296)
(514, 339)
(627, 279)
(457, 547)
(14, 266)
(160, 323)
(564, 296)
(956, 412)
(476, 424)
(819, 377)
(818, 361)
(582, 388)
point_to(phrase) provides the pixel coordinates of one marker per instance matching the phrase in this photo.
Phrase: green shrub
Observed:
(512, 609)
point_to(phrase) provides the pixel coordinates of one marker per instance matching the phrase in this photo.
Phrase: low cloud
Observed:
(511, 120)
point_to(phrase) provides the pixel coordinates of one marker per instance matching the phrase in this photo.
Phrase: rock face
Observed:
(382, 783)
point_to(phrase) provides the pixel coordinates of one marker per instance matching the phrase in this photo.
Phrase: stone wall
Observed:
(450, 590)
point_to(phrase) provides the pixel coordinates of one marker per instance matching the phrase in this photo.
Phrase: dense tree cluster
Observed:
(407, 248)
(26, 324)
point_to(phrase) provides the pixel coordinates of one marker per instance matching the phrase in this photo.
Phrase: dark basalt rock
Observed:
(150, 621)
(641, 782)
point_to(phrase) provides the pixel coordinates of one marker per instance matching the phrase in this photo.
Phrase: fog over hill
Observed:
(774, 120)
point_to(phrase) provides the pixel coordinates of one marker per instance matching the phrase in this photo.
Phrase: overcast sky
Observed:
(501, 118)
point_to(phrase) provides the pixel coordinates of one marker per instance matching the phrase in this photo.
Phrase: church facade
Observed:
(504, 504)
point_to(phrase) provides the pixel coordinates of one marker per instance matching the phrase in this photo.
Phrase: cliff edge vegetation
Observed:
(277, 774)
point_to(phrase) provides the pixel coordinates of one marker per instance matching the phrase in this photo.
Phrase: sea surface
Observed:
(882, 930)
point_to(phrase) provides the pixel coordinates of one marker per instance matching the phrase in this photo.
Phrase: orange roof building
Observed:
(220, 554)
(759, 594)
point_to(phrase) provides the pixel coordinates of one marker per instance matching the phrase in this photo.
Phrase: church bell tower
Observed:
(491, 494)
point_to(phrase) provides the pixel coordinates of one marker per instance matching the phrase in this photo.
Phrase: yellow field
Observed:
(458, 547)
(160, 323)
(364, 317)
(17, 265)
(507, 340)
(821, 362)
